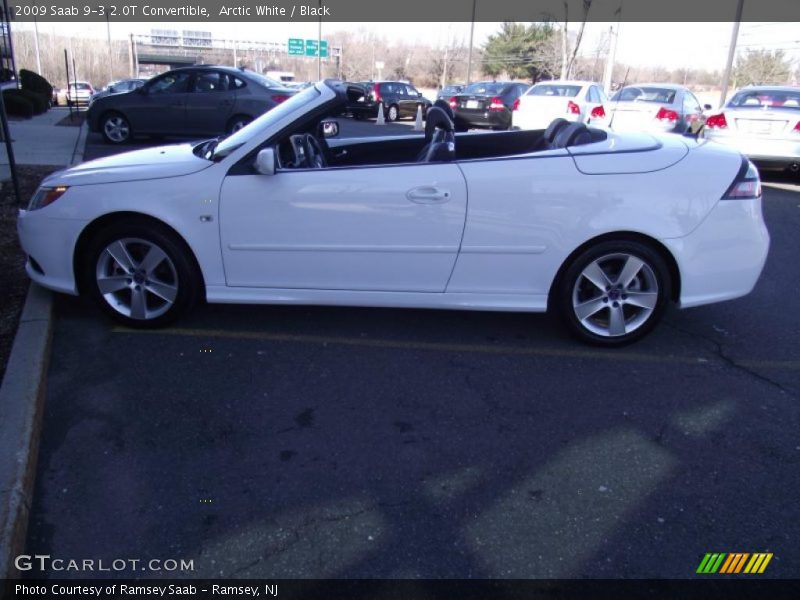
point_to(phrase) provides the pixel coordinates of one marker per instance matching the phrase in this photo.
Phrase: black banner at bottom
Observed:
(398, 589)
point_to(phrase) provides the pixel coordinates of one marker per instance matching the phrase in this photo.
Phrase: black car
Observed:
(449, 91)
(190, 101)
(399, 100)
(487, 104)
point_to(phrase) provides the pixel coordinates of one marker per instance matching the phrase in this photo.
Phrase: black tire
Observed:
(389, 117)
(237, 122)
(184, 274)
(123, 126)
(650, 284)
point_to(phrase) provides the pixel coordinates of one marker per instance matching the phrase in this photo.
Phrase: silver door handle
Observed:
(428, 195)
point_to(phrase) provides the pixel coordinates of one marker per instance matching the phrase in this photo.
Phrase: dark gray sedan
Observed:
(187, 102)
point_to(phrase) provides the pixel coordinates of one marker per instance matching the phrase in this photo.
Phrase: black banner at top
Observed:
(443, 11)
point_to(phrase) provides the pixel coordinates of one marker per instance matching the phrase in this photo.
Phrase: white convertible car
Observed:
(604, 228)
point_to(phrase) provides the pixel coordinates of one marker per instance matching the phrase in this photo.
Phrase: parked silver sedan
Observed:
(656, 107)
(763, 123)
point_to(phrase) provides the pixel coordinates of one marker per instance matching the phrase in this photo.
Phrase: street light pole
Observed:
(731, 53)
(319, 44)
(36, 47)
(110, 51)
(471, 35)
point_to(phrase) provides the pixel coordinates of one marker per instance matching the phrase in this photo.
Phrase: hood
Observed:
(150, 163)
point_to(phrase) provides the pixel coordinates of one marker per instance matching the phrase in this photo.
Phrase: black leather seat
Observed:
(577, 134)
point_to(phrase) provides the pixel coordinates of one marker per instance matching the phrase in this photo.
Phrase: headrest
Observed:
(436, 118)
(568, 135)
(555, 126)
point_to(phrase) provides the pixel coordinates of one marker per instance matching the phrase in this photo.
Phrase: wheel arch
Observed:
(88, 232)
(632, 236)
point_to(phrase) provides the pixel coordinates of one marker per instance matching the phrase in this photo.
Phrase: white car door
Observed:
(378, 228)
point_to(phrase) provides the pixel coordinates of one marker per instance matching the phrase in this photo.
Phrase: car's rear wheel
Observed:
(614, 293)
(237, 123)
(392, 113)
(116, 128)
(140, 274)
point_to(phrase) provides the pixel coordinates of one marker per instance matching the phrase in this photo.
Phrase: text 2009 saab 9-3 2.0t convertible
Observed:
(604, 228)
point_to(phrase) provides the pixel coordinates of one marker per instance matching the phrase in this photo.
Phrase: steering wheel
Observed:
(315, 155)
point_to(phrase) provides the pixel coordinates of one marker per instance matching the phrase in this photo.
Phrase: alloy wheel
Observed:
(116, 129)
(137, 278)
(615, 295)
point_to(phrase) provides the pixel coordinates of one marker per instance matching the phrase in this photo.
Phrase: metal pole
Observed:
(471, 35)
(319, 44)
(130, 53)
(66, 65)
(110, 51)
(36, 47)
(731, 53)
(12, 166)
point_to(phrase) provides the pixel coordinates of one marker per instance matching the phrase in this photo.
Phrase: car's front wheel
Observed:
(614, 293)
(116, 128)
(238, 122)
(140, 274)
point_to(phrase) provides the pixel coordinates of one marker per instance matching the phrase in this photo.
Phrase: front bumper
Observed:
(50, 243)
(777, 152)
(724, 256)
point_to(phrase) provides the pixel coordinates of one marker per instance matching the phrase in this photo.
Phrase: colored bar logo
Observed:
(732, 563)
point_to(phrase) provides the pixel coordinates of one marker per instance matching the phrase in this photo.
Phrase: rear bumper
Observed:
(484, 118)
(722, 259)
(777, 153)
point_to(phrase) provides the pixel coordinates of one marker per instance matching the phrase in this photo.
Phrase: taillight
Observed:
(716, 121)
(797, 127)
(453, 103)
(665, 114)
(747, 184)
(515, 106)
(280, 98)
(496, 104)
(598, 112)
(376, 92)
(573, 108)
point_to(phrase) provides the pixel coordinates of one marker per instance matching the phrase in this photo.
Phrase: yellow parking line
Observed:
(437, 346)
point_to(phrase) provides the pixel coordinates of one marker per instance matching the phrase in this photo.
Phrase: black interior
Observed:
(439, 144)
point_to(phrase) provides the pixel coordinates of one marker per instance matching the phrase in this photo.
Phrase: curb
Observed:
(21, 403)
(80, 145)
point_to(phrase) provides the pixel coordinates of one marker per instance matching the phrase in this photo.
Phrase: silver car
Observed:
(763, 123)
(660, 107)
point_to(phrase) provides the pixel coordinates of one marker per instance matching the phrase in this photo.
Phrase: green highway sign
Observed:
(298, 47)
(312, 49)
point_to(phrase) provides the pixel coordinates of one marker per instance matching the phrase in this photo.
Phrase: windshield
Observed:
(231, 143)
(485, 87)
(766, 99)
(645, 94)
(565, 91)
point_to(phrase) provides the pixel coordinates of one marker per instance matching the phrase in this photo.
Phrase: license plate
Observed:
(758, 127)
(472, 104)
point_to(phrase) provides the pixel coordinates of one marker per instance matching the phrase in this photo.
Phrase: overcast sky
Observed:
(671, 45)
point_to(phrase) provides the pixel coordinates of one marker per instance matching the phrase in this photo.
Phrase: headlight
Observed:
(45, 196)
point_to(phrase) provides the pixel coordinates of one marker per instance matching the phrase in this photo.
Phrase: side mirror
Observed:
(419, 94)
(265, 161)
(329, 129)
(144, 90)
(707, 107)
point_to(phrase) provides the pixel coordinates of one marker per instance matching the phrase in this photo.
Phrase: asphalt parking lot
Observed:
(334, 442)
